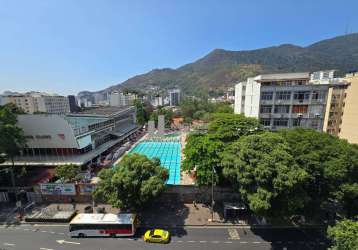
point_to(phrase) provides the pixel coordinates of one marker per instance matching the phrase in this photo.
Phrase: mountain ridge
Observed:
(223, 68)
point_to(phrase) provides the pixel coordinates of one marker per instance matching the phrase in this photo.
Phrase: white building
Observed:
(119, 99)
(33, 102)
(292, 99)
(157, 101)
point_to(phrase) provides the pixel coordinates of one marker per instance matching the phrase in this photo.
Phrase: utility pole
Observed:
(212, 193)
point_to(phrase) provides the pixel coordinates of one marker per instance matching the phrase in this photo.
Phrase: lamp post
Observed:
(212, 193)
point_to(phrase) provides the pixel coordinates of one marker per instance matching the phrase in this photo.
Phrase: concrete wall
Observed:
(252, 98)
(239, 94)
(349, 127)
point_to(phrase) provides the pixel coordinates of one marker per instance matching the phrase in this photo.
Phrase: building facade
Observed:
(73, 104)
(119, 99)
(73, 138)
(174, 97)
(293, 100)
(349, 124)
(36, 102)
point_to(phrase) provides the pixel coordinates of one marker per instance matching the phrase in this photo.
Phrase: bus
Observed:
(112, 225)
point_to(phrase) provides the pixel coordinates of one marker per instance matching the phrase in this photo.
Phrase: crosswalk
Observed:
(233, 234)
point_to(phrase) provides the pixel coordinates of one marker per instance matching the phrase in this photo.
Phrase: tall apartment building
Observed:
(33, 102)
(174, 97)
(293, 100)
(119, 99)
(73, 104)
(349, 126)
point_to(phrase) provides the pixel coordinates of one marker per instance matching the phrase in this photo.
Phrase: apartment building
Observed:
(174, 97)
(291, 100)
(349, 126)
(119, 99)
(36, 102)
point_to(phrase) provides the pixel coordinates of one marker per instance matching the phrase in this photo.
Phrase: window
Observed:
(301, 95)
(266, 95)
(280, 122)
(318, 95)
(296, 122)
(282, 109)
(265, 122)
(283, 95)
(265, 109)
(299, 108)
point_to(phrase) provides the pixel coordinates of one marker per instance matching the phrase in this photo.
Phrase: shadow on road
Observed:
(293, 238)
(167, 216)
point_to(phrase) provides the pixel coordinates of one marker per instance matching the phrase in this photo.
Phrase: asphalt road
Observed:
(54, 237)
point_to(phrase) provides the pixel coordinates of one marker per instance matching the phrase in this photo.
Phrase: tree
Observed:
(344, 235)
(134, 182)
(202, 153)
(332, 166)
(67, 173)
(230, 127)
(143, 111)
(264, 172)
(12, 138)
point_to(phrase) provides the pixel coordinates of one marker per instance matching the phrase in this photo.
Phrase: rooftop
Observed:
(283, 76)
(103, 111)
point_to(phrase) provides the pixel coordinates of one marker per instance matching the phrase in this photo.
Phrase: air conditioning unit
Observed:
(317, 115)
(299, 115)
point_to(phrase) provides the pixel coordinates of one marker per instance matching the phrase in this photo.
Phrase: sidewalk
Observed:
(172, 214)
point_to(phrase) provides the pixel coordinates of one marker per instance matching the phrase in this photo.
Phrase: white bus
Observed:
(122, 224)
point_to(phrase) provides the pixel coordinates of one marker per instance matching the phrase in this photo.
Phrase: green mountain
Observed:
(222, 68)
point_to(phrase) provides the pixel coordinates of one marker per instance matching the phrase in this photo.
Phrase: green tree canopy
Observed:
(265, 173)
(67, 173)
(344, 235)
(12, 138)
(332, 165)
(135, 181)
(143, 111)
(230, 127)
(202, 153)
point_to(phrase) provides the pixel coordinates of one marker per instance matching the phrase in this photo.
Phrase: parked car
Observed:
(157, 236)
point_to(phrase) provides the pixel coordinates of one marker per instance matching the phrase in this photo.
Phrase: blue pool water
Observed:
(167, 152)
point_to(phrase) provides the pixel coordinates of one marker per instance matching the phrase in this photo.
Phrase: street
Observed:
(54, 237)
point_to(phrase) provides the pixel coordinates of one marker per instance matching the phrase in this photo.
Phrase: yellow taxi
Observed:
(157, 236)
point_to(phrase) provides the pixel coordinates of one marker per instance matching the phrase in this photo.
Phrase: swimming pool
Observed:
(167, 151)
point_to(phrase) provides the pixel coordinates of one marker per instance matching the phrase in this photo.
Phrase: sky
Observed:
(66, 46)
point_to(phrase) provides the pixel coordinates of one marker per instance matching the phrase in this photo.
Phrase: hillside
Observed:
(222, 68)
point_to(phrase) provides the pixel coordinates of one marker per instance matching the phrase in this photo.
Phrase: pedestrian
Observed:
(73, 204)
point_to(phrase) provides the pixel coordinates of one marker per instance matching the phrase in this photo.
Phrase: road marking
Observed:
(227, 242)
(215, 241)
(9, 244)
(243, 242)
(53, 232)
(43, 231)
(50, 225)
(67, 242)
(256, 242)
(202, 241)
(234, 234)
(179, 241)
(191, 241)
(44, 248)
